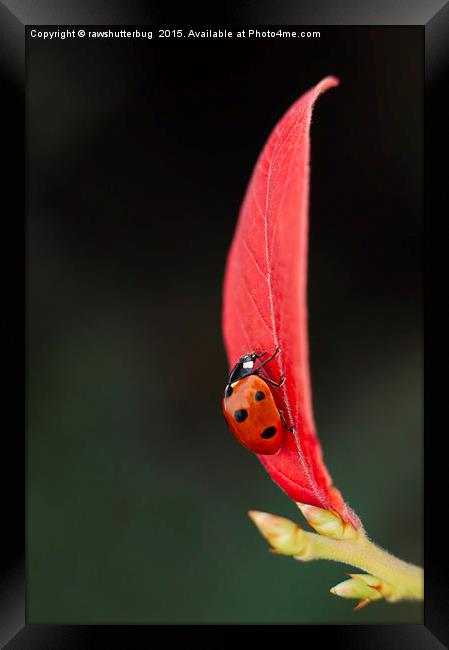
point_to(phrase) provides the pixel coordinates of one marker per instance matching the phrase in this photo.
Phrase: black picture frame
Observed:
(14, 18)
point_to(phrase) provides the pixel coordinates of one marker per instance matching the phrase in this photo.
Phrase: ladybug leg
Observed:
(284, 421)
(270, 381)
(264, 363)
(262, 354)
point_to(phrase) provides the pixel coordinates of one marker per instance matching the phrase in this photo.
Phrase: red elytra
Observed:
(256, 424)
(264, 299)
(249, 407)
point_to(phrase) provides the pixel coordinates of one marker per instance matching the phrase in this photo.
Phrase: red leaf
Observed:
(265, 298)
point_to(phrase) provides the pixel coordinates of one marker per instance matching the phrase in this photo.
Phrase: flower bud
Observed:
(355, 588)
(326, 522)
(285, 537)
(366, 587)
(385, 589)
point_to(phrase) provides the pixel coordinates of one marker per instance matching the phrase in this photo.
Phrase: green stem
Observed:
(405, 579)
(387, 576)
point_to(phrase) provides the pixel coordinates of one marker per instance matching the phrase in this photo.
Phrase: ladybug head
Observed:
(243, 368)
(247, 361)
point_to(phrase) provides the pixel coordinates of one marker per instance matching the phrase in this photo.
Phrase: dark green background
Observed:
(138, 158)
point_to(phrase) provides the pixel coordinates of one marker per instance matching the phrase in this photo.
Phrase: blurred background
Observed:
(139, 153)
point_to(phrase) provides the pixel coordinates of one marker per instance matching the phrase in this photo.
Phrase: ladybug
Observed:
(249, 407)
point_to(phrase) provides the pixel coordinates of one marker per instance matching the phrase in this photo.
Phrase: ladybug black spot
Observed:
(259, 396)
(240, 415)
(269, 432)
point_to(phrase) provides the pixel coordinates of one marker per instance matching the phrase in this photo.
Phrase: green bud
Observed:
(384, 588)
(327, 523)
(285, 537)
(355, 588)
(323, 521)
